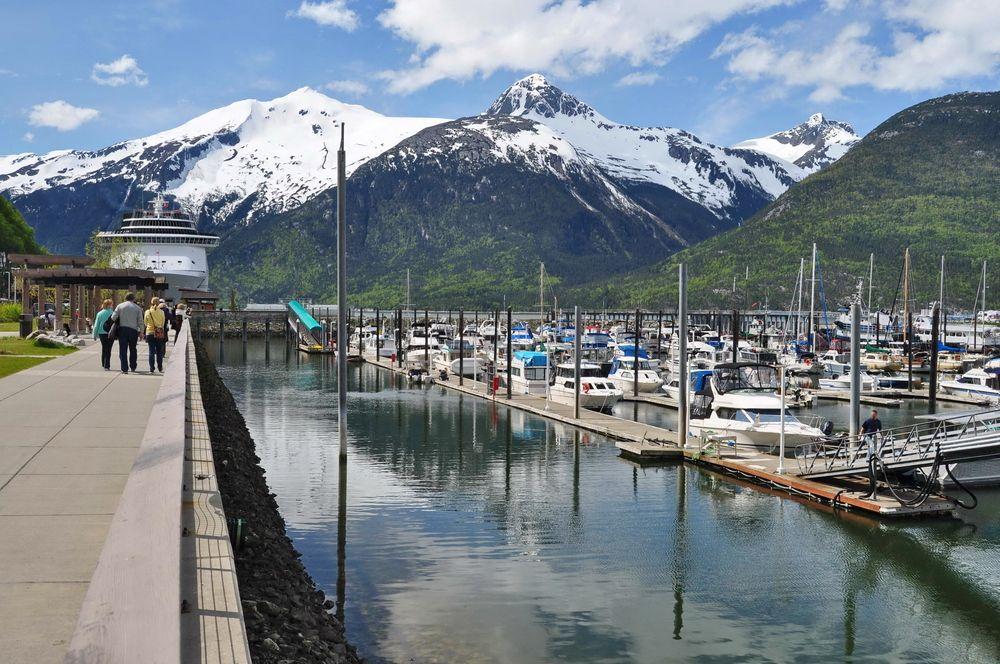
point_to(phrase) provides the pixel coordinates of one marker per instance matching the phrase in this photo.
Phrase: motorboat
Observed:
(842, 383)
(880, 359)
(802, 364)
(384, 342)
(897, 381)
(596, 391)
(529, 372)
(521, 337)
(740, 400)
(974, 382)
(623, 373)
(420, 348)
(671, 386)
(457, 357)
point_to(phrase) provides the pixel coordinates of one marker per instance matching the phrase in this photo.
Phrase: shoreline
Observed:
(288, 618)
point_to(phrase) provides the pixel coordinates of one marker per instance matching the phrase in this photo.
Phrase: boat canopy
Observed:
(532, 358)
(628, 350)
(947, 349)
(698, 379)
(745, 376)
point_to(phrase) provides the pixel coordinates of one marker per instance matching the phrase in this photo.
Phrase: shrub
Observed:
(9, 312)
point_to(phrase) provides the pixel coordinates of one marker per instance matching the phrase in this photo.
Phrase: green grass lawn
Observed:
(17, 346)
(12, 326)
(13, 364)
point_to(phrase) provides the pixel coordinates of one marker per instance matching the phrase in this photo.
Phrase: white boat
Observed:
(974, 382)
(806, 364)
(596, 391)
(842, 383)
(529, 372)
(877, 359)
(836, 363)
(623, 374)
(740, 400)
(521, 337)
(671, 386)
(420, 348)
(385, 342)
(457, 357)
(166, 241)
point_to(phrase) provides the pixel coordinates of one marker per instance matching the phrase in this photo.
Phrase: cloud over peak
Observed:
(60, 115)
(333, 13)
(123, 71)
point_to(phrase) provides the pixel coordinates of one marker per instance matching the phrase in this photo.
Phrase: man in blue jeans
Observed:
(129, 317)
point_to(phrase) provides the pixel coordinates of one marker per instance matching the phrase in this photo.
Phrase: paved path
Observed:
(69, 432)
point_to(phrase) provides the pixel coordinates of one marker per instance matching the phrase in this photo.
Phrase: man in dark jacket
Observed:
(872, 425)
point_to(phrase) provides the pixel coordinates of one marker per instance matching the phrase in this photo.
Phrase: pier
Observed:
(115, 546)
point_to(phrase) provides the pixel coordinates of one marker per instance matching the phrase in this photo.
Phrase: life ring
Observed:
(586, 387)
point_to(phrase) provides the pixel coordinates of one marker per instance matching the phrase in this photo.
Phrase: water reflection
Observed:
(478, 533)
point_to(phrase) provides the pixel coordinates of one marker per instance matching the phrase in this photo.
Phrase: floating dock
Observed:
(646, 444)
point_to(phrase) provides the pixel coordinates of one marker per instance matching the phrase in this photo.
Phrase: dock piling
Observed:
(682, 378)
(576, 363)
(509, 329)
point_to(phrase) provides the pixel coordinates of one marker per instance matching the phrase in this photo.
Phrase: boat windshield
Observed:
(768, 416)
(746, 377)
(590, 372)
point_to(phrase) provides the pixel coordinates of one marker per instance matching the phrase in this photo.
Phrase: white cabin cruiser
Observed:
(596, 391)
(741, 400)
(974, 382)
(420, 350)
(457, 357)
(529, 372)
(623, 373)
(842, 383)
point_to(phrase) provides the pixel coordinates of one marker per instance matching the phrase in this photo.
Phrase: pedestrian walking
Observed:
(180, 312)
(104, 317)
(155, 321)
(129, 317)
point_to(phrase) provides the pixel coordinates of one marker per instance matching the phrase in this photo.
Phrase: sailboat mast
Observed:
(810, 333)
(541, 297)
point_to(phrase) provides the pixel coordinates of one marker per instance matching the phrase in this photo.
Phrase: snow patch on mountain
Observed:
(812, 145)
(707, 174)
(280, 152)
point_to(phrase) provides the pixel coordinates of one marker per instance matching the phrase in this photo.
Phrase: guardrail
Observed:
(132, 609)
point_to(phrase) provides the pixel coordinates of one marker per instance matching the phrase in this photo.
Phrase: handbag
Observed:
(160, 333)
(108, 323)
(113, 332)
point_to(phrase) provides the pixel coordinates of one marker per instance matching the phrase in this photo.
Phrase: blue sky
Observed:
(88, 74)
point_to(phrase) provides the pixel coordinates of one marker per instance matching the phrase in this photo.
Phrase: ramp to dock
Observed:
(307, 328)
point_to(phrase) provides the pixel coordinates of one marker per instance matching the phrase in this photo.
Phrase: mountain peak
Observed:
(815, 143)
(815, 119)
(534, 95)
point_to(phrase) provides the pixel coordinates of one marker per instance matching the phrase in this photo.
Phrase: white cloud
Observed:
(638, 78)
(333, 13)
(60, 115)
(7, 72)
(348, 87)
(458, 39)
(123, 71)
(28, 137)
(935, 42)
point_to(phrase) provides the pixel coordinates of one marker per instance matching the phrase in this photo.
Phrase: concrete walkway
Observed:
(69, 432)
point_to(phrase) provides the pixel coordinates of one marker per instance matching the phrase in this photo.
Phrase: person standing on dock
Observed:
(128, 314)
(178, 320)
(102, 317)
(155, 321)
(871, 426)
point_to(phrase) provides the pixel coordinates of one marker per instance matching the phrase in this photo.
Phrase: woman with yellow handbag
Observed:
(156, 335)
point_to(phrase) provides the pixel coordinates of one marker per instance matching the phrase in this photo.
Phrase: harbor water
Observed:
(477, 533)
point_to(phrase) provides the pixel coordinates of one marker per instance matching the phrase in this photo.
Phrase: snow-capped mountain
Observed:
(229, 165)
(731, 184)
(812, 145)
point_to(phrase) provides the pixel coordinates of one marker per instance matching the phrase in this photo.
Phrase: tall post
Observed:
(461, 347)
(427, 340)
(342, 297)
(635, 354)
(935, 330)
(58, 307)
(659, 337)
(509, 349)
(811, 332)
(378, 332)
(736, 335)
(855, 369)
(399, 337)
(496, 344)
(577, 351)
(871, 276)
(781, 433)
(682, 346)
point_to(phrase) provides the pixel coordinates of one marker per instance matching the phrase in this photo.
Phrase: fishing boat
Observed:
(880, 359)
(420, 349)
(974, 382)
(623, 373)
(596, 391)
(384, 343)
(529, 372)
(741, 400)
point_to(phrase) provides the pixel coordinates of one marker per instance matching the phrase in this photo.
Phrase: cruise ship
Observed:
(166, 241)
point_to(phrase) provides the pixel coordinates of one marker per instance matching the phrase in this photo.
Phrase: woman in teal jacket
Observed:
(99, 333)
